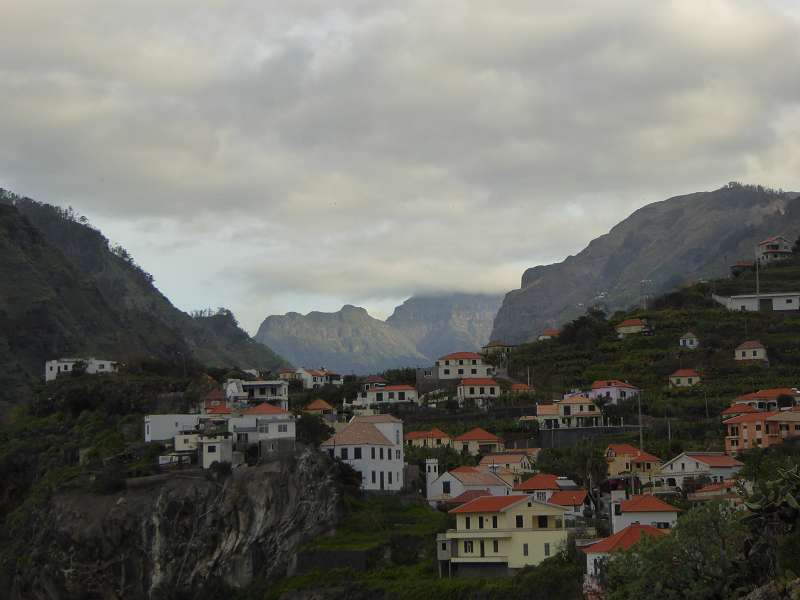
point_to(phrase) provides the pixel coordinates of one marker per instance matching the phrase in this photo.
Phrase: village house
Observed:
(645, 510)
(91, 366)
(631, 327)
(575, 410)
(496, 347)
(600, 552)
(163, 428)
(385, 395)
(625, 459)
(574, 501)
(275, 392)
(770, 399)
(613, 390)
(216, 447)
(460, 365)
(269, 427)
(321, 409)
(518, 464)
(781, 301)
(373, 446)
(542, 486)
(313, 379)
(520, 388)
(684, 378)
(453, 483)
(434, 438)
(718, 492)
(760, 429)
(288, 374)
(773, 249)
(373, 381)
(478, 441)
(738, 408)
(549, 333)
(689, 341)
(477, 390)
(750, 350)
(499, 535)
(690, 467)
(213, 399)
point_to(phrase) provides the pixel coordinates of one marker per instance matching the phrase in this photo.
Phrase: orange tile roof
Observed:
(375, 379)
(769, 394)
(569, 497)
(613, 383)
(540, 481)
(715, 460)
(750, 345)
(434, 433)
(520, 387)
(477, 435)
(319, 404)
(477, 381)
(218, 410)
(622, 540)
(494, 459)
(632, 323)
(750, 417)
(551, 331)
(740, 408)
(356, 434)
(547, 410)
(476, 476)
(717, 487)
(265, 408)
(685, 373)
(466, 496)
(461, 356)
(489, 504)
(633, 452)
(577, 399)
(646, 503)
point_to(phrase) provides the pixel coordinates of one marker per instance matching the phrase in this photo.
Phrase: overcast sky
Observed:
(298, 155)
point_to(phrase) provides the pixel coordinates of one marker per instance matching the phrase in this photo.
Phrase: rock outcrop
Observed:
(178, 536)
(656, 249)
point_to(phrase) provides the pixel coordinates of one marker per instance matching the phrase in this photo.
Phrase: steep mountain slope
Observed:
(63, 291)
(659, 247)
(441, 324)
(347, 341)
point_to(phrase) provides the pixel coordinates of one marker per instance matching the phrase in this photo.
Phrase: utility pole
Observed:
(705, 397)
(641, 433)
(758, 282)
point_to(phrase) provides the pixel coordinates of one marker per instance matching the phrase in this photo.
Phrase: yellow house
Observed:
(625, 459)
(501, 534)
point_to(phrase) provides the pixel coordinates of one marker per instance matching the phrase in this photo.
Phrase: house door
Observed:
(381, 479)
(765, 304)
(483, 551)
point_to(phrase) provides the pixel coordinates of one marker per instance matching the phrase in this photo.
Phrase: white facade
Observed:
(463, 365)
(449, 485)
(691, 466)
(660, 520)
(275, 392)
(382, 395)
(750, 353)
(774, 249)
(313, 379)
(162, 428)
(756, 302)
(689, 341)
(94, 366)
(215, 448)
(186, 442)
(253, 429)
(612, 391)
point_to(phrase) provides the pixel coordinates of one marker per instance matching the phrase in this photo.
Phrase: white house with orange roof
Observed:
(322, 409)
(270, 427)
(461, 365)
(316, 378)
(478, 441)
(751, 350)
(496, 347)
(769, 399)
(477, 390)
(613, 390)
(499, 535)
(600, 552)
(464, 479)
(696, 466)
(684, 378)
(541, 486)
(373, 446)
(548, 333)
(643, 510)
(574, 501)
(288, 374)
(631, 327)
(432, 438)
(689, 341)
(773, 249)
(385, 395)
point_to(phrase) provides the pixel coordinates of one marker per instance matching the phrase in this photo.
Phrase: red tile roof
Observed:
(613, 383)
(769, 394)
(717, 487)
(685, 373)
(632, 323)
(568, 497)
(476, 476)
(434, 433)
(319, 404)
(466, 496)
(218, 410)
(552, 332)
(633, 452)
(622, 540)
(375, 379)
(356, 434)
(773, 238)
(520, 387)
(477, 381)
(715, 460)
(265, 408)
(489, 504)
(396, 388)
(646, 504)
(501, 459)
(540, 481)
(461, 356)
(740, 408)
(477, 435)
(750, 345)
(750, 417)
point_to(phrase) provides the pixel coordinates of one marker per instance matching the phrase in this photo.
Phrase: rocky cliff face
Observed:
(657, 248)
(347, 341)
(178, 537)
(438, 325)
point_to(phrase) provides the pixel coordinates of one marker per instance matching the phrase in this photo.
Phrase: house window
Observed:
(283, 428)
(480, 522)
(461, 371)
(617, 510)
(519, 522)
(344, 453)
(482, 390)
(689, 381)
(468, 548)
(559, 523)
(524, 549)
(390, 477)
(472, 371)
(401, 396)
(212, 449)
(547, 549)
(388, 454)
(357, 453)
(491, 391)
(381, 452)
(447, 371)
(467, 525)
(495, 546)
(662, 525)
(396, 454)
(471, 391)
(373, 477)
(372, 452)
(444, 546)
(379, 396)
(494, 522)
(445, 487)
(391, 395)
(474, 362)
(541, 496)
(542, 521)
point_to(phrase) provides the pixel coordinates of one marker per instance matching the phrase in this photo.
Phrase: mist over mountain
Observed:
(656, 249)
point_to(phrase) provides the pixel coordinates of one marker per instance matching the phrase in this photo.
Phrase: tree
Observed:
(699, 560)
(796, 247)
(312, 430)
